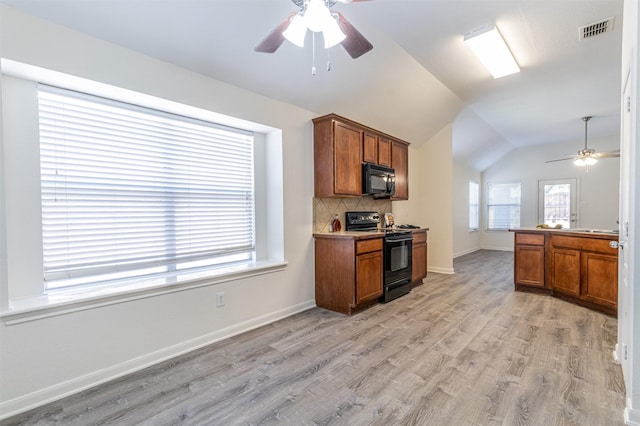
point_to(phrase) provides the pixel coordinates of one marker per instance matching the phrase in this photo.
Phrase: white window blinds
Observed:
(503, 205)
(128, 191)
(474, 205)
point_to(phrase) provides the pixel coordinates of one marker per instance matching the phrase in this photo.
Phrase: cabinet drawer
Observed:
(419, 237)
(530, 239)
(585, 244)
(366, 246)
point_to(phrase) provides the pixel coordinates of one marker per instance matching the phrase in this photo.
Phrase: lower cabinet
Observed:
(419, 257)
(349, 272)
(529, 260)
(586, 269)
(565, 271)
(578, 268)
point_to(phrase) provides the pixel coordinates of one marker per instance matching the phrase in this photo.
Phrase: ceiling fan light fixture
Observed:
(296, 31)
(332, 33)
(489, 46)
(586, 161)
(316, 15)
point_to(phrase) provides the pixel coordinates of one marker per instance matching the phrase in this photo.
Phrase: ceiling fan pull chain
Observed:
(329, 59)
(313, 53)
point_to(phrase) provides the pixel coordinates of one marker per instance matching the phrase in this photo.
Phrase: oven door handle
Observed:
(398, 240)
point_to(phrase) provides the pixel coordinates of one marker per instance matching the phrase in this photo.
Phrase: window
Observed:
(129, 191)
(474, 205)
(503, 206)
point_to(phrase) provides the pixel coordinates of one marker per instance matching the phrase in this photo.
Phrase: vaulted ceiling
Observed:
(419, 77)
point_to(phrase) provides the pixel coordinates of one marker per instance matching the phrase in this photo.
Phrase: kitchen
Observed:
(170, 323)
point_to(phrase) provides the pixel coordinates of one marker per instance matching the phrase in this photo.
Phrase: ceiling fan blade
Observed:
(559, 159)
(355, 44)
(349, 1)
(610, 154)
(274, 40)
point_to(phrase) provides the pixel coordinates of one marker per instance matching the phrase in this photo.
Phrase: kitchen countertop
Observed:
(360, 235)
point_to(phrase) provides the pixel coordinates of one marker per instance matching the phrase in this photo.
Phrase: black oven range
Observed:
(396, 252)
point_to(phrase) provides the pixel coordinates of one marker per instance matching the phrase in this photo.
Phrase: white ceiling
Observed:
(419, 76)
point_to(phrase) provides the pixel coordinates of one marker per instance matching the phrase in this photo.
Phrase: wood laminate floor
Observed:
(462, 349)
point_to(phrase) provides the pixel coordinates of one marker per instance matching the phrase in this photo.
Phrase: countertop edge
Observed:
(359, 235)
(600, 233)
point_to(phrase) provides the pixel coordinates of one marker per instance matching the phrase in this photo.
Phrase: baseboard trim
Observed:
(53, 393)
(469, 251)
(441, 270)
(631, 415)
(497, 248)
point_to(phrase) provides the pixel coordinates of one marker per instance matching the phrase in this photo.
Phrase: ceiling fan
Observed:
(587, 156)
(317, 16)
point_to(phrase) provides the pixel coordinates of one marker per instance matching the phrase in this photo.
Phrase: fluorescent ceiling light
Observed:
(490, 48)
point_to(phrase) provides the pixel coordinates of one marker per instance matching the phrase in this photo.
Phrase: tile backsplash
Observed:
(325, 208)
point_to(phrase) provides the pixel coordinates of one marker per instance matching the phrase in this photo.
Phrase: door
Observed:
(557, 201)
(626, 252)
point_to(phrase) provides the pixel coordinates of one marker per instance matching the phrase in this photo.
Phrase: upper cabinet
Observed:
(338, 158)
(340, 148)
(400, 163)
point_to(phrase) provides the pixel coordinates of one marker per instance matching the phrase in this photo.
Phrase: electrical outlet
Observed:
(220, 300)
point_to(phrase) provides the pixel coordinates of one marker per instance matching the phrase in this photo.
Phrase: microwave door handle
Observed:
(391, 184)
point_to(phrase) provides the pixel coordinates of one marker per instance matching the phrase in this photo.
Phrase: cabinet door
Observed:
(368, 276)
(400, 163)
(529, 265)
(600, 279)
(370, 148)
(418, 263)
(347, 160)
(565, 271)
(384, 152)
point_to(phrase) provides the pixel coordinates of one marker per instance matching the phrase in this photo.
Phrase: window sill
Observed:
(26, 309)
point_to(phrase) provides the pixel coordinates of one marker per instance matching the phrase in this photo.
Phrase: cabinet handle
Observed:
(616, 244)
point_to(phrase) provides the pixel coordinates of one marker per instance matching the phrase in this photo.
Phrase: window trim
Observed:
(62, 302)
(26, 297)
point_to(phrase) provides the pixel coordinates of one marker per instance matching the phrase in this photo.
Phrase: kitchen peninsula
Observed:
(580, 266)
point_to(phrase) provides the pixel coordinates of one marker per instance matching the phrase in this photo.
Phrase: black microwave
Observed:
(379, 181)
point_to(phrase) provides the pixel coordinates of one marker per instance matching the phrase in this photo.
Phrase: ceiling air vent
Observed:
(597, 28)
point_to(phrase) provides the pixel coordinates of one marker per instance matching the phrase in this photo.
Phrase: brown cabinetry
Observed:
(529, 260)
(578, 267)
(349, 272)
(338, 159)
(400, 163)
(419, 257)
(586, 268)
(340, 148)
(370, 151)
(384, 151)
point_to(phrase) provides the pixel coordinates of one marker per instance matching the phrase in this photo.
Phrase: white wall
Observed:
(430, 198)
(464, 240)
(47, 358)
(597, 188)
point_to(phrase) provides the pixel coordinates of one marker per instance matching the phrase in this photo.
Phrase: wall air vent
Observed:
(596, 28)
